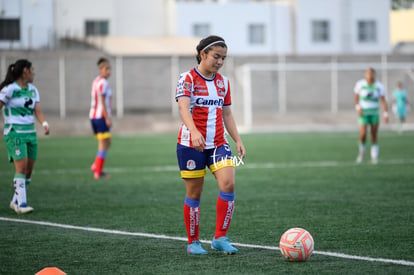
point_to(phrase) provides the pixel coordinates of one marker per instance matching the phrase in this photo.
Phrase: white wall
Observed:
(231, 21)
(36, 23)
(343, 16)
(376, 10)
(71, 15)
(126, 17)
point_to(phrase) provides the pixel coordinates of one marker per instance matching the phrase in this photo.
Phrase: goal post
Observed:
(334, 71)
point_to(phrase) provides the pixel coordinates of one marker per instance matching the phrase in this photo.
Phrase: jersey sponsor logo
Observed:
(194, 220)
(229, 214)
(28, 102)
(209, 102)
(200, 89)
(191, 164)
(187, 86)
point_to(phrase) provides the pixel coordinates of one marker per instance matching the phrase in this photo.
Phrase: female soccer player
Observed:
(368, 95)
(400, 102)
(21, 102)
(204, 100)
(100, 116)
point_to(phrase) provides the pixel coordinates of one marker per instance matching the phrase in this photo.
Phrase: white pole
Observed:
(282, 84)
(384, 68)
(119, 87)
(3, 67)
(334, 85)
(247, 98)
(62, 88)
(174, 78)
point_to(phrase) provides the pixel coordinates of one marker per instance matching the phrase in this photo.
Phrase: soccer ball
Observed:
(296, 244)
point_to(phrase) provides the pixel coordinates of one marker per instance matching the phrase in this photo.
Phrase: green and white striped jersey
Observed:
(19, 107)
(369, 96)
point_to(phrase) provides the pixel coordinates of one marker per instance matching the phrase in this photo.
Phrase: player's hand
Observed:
(241, 151)
(360, 113)
(108, 122)
(198, 141)
(386, 119)
(46, 128)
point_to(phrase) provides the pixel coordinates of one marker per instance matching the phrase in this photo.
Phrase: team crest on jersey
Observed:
(191, 164)
(220, 87)
(17, 152)
(220, 83)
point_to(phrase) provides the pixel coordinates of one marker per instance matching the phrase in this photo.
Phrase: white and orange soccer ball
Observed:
(296, 244)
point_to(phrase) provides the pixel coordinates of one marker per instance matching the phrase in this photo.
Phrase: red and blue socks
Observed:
(99, 162)
(225, 208)
(192, 218)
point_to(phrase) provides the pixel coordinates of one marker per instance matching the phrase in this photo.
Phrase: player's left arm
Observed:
(384, 103)
(231, 127)
(108, 120)
(41, 118)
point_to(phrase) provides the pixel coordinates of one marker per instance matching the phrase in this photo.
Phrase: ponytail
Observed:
(15, 71)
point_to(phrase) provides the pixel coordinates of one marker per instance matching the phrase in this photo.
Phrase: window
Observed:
(320, 31)
(201, 30)
(99, 27)
(367, 31)
(256, 34)
(9, 29)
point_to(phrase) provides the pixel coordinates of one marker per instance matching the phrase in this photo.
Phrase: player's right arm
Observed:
(356, 99)
(197, 138)
(356, 103)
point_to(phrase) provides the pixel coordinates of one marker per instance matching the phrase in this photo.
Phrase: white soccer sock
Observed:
(374, 151)
(14, 199)
(20, 191)
(361, 148)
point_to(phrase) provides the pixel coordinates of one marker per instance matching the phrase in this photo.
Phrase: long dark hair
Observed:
(212, 39)
(15, 71)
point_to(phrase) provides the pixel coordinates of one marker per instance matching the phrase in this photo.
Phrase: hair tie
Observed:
(213, 43)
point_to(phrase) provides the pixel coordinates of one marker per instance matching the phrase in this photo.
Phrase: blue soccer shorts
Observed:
(193, 163)
(100, 129)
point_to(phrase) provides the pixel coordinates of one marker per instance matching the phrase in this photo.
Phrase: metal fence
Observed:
(261, 85)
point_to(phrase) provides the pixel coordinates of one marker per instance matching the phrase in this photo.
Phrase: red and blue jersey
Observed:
(100, 87)
(207, 99)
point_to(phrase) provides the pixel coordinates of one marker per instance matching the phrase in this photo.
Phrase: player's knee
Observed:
(227, 185)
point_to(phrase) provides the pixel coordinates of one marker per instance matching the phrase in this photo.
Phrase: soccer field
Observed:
(360, 216)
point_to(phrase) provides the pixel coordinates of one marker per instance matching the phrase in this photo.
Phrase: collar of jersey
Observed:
(203, 77)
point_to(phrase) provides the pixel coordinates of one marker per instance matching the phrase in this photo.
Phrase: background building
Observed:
(250, 27)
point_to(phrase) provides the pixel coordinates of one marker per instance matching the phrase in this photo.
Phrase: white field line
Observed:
(265, 165)
(166, 237)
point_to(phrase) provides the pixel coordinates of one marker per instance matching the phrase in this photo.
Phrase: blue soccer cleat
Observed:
(195, 249)
(223, 244)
